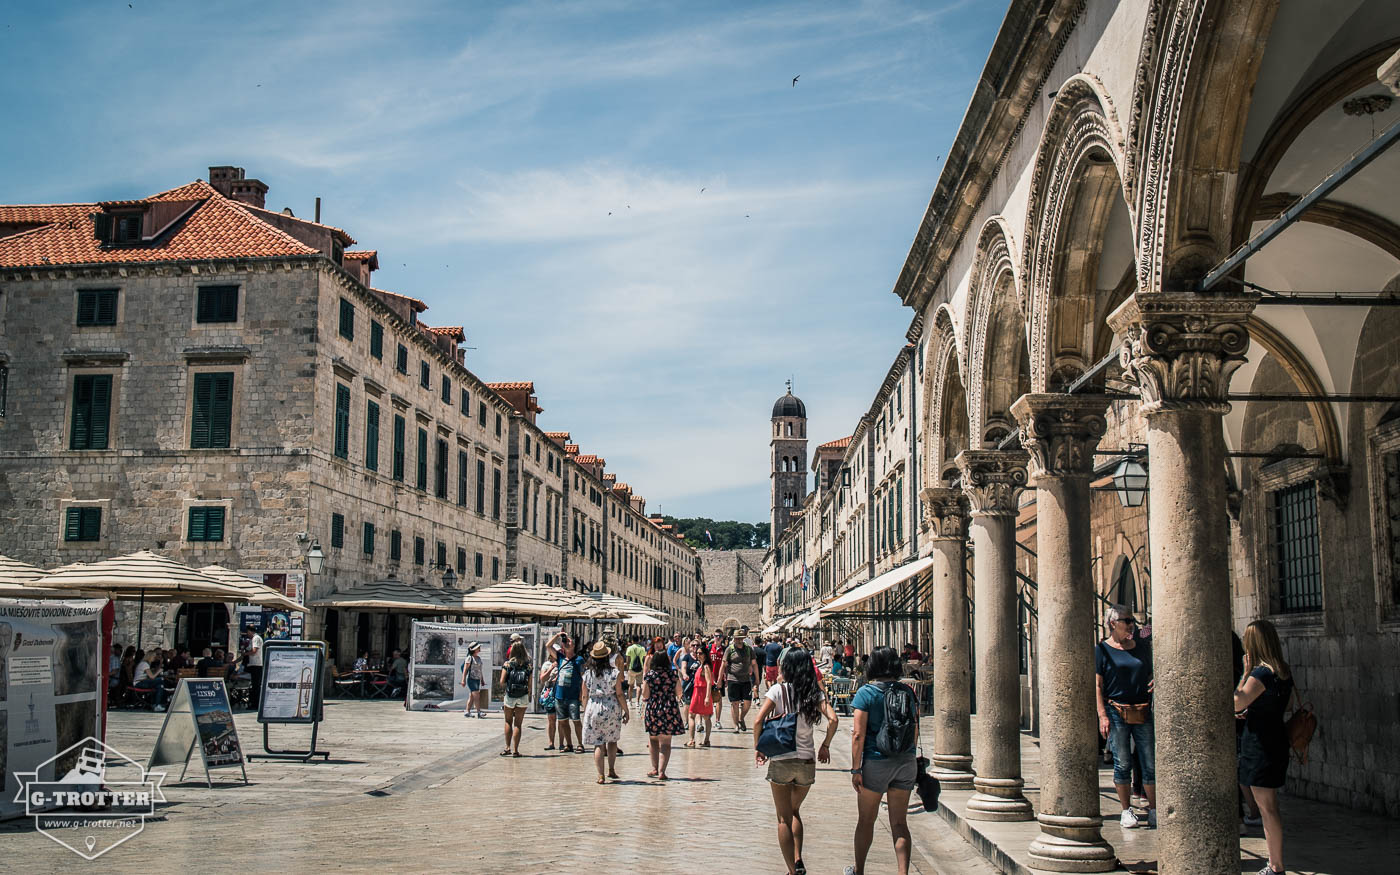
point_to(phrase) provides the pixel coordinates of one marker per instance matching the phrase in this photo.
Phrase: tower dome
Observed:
(789, 405)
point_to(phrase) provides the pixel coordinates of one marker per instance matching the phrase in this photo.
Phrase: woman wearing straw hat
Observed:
(472, 676)
(604, 709)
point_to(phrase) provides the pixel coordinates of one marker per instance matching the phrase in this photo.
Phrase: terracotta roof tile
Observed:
(516, 385)
(24, 214)
(453, 331)
(557, 435)
(217, 228)
(361, 254)
(340, 233)
(571, 449)
(418, 306)
(838, 444)
(588, 459)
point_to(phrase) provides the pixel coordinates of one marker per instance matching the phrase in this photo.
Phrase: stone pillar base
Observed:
(1071, 844)
(999, 799)
(953, 772)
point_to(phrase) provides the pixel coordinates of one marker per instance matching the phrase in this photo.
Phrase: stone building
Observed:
(733, 579)
(194, 374)
(1106, 273)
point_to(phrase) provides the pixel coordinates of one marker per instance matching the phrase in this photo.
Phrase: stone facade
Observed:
(733, 586)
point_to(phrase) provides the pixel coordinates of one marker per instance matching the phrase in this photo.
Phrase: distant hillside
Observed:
(724, 534)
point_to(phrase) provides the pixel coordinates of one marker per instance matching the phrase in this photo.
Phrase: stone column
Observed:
(945, 512)
(1181, 349)
(1060, 432)
(992, 479)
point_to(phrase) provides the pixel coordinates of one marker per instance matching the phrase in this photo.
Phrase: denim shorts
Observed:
(1143, 736)
(883, 775)
(473, 685)
(567, 709)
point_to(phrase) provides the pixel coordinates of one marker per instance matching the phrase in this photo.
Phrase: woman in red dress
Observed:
(700, 703)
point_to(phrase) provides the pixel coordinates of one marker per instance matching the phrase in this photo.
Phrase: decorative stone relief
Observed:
(945, 513)
(1060, 432)
(1181, 347)
(993, 479)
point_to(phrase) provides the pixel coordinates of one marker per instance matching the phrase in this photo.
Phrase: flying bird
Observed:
(795, 78)
(702, 191)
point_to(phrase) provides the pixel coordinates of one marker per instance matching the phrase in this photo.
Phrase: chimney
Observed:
(230, 182)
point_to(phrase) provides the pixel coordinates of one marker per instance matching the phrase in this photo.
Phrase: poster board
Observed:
(290, 583)
(51, 662)
(291, 683)
(439, 655)
(199, 716)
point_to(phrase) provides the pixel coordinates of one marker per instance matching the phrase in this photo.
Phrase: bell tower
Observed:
(788, 443)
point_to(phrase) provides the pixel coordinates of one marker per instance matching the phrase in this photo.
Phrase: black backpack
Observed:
(900, 728)
(517, 680)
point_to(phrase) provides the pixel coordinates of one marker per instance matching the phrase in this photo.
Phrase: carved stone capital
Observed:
(992, 480)
(945, 513)
(1060, 432)
(1181, 347)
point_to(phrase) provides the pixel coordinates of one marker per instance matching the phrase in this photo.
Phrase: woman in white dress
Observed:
(604, 709)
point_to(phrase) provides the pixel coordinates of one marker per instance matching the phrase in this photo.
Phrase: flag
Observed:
(709, 537)
(806, 576)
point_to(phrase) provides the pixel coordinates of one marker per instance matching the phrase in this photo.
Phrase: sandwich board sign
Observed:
(293, 673)
(199, 716)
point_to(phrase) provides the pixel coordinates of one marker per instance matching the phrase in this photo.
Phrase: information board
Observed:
(439, 657)
(199, 716)
(291, 691)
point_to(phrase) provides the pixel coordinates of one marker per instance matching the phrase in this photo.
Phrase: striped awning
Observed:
(391, 594)
(257, 593)
(17, 581)
(141, 574)
(641, 620)
(516, 598)
(608, 600)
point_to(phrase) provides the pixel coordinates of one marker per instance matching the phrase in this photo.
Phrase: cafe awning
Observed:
(516, 598)
(608, 600)
(873, 587)
(141, 575)
(256, 593)
(390, 594)
(641, 620)
(17, 581)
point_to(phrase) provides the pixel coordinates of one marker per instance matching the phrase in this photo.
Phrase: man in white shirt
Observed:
(253, 659)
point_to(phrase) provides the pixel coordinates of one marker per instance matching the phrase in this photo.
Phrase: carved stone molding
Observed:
(945, 513)
(1060, 432)
(993, 479)
(1181, 347)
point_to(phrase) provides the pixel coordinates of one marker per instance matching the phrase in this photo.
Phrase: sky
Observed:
(629, 203)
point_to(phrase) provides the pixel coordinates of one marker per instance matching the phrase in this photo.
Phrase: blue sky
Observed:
(481, 147)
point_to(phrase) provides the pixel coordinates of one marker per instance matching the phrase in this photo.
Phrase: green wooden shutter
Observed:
(92, 523)
(342, 422)
(337, 530)
(73, 524)
(79, 429)
(347, 319)
(399, 429)
(107, 307)
(422, 460)
(87, 308)
(200, 412)
(369, 539)
(101, 411)
(372, 436)
(376, 339)
(214, 523)
(196, 528)
(221, 425)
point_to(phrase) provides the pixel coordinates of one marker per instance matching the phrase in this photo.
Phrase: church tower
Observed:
(789, 459)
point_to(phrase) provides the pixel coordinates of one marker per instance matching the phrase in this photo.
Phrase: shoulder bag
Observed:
(779, 736)
(1300, 727)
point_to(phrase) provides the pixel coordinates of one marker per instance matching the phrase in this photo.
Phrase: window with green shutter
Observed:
(461, 562)
(347, 319)
(212, 412)
(337, 530)
(371, 436)
(425, 375)
(480, 486)
(466, 402)
(461, 478)
(418, 547)
(440, 470)
(441, 555)
(97, 306)
(206, 524)
(395, 545)
(216, 304)
(423, 459)
(92, 412)
(368, 539)
(479, 560)
(399, 428)
(401, 361)
(342, 421)
(376, 340)
(82, 524)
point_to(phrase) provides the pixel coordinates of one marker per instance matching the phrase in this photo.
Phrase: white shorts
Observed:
(517, 701)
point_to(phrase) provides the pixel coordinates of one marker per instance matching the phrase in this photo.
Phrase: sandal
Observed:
(516, 753)
(651, 774)
(550, 747)
(506, 752)
(614, 776)
(579, 750)
(602, 780)
(690, 744)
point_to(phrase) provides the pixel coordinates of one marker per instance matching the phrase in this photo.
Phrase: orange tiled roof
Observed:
(527, 385)
(589, 459)
(361, 254)
(571, 449)
(339, 233)
(453, 331)
(558, 435)
(418, 306)
(609, 478)
(215, 228)
(838, 444)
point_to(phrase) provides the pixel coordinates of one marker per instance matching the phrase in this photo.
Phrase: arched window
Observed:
(789, 429)
(1124, 587)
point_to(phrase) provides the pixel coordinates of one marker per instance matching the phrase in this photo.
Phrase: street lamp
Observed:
(1130, 482)
(449, 578)
(315, 558)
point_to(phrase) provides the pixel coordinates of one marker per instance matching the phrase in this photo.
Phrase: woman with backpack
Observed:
(798, 699)
(1262, 696)
(884, 754)
(661, 688)
(515, 680)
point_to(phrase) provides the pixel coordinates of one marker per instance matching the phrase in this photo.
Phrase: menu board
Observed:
(291, 690)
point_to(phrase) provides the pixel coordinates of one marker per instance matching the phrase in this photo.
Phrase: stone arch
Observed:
(997, 360)
(1123, 587)
(1190, 110)
(1305, 378)
(730, 624)
(946, 406)
(1076, 183)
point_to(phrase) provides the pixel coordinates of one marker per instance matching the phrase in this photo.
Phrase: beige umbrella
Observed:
(389, 594)
(141, 575)
(609, 600)
(642, 620)
(17, 579)
(256, 593)
(516, 598)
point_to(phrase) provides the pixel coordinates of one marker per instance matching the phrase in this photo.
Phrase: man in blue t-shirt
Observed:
(771, 651)
(568, 689)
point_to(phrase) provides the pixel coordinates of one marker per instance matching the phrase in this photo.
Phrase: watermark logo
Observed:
(86, 810)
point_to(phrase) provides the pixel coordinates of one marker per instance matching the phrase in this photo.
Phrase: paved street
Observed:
(443, 798)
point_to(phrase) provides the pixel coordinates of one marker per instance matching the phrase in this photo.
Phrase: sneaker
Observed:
(850, 870)
(1270, 870)
(1253, 821)
(1129, 820)
(1151, 818)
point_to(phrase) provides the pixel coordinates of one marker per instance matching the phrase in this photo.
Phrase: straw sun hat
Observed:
(600, 650)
